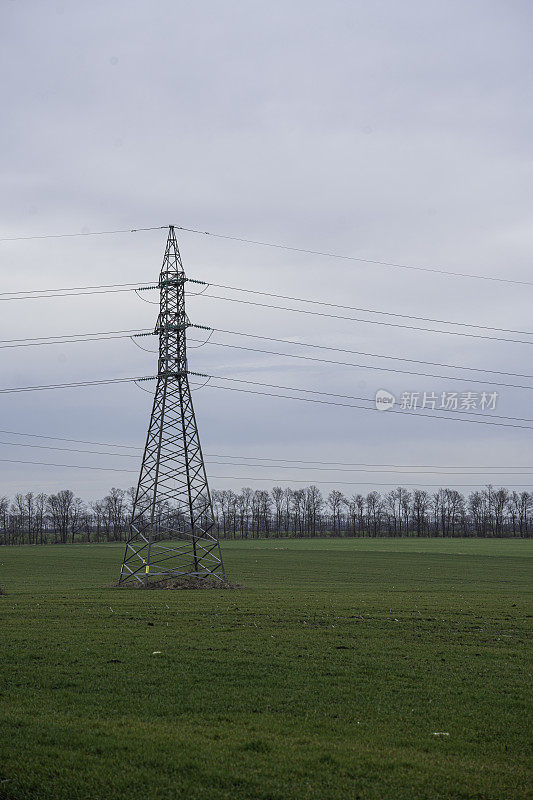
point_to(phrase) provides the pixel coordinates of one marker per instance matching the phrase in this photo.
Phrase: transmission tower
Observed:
(172, 531)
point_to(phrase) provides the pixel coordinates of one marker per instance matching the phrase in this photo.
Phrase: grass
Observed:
(325, 679)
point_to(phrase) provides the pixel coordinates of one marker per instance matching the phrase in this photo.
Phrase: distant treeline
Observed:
(60, 518)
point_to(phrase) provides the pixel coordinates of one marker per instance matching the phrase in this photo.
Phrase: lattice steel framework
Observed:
(172, 530)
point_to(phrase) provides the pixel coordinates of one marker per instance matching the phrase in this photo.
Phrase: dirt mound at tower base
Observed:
(181, 582)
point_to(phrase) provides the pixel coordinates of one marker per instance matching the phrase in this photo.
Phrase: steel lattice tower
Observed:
(172, 530)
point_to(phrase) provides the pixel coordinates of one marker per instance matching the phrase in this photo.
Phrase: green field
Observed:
(326, 678)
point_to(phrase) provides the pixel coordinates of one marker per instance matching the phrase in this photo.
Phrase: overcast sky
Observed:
(387, 131)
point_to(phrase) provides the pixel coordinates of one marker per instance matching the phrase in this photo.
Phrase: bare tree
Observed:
(421, 503)
(29, 504)
(404, 508)
(277, 497)
(287, 503)
(63, 508)
(4, 521)
(18, 517)
(40, 516)
(393, 510)
(500, 501)
(114, 505)
(520, 505)
(374, 508)
(245, 509)
(38, 519)
(336, 502)
(312, 507)
(297, 508)
(477, 508)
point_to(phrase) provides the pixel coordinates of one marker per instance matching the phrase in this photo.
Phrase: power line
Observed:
(370, 355)
(434, 270)
(125, 334)
(361, 469)
(66, 439)
(317, 467)
(65, 291)
(71, 449)
(287, 397)
(344, 396)
(365, 408)
(145, 349)
(486, 467)
(81, 233)
(364, 321)
(68, 341)
(65, 335)
(69, 294)
(270, 480)
(366, 366)
(291, 461)
(368, 483)
(72, 385)
(366, 310)
(71, 288)
(326, 254)
(69, 466)
(107, 289)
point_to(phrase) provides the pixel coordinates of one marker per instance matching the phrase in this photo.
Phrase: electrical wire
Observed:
(256, 478)
(72, 288)
(67, 439)
(197, 389)
(65, 294)
(360, 469)
(206, 341)
(347, 396)
(292, 466)
(139, 450)
(434, 270)
(121, 287)
(279, 246)
(70, 449)
(71, 341)
(72, 385)
(141, 347)
(69, 466)
(368, 366)
(368, 483)
(365, 408)
(102, 335)
(288, 397)
(146, 391)
(292, 461)
(146, 300)
(81, 233)
(365, 321)
(76, 335)
(372, 355)
(365, 310)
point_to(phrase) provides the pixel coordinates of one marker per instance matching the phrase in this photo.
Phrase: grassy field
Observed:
(327, 678)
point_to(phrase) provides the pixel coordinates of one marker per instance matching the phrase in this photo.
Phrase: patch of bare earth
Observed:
(182, 582)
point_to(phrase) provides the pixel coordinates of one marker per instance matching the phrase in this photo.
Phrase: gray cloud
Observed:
(389, 131)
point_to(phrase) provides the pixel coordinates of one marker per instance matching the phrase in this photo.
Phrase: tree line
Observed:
(252, 513)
